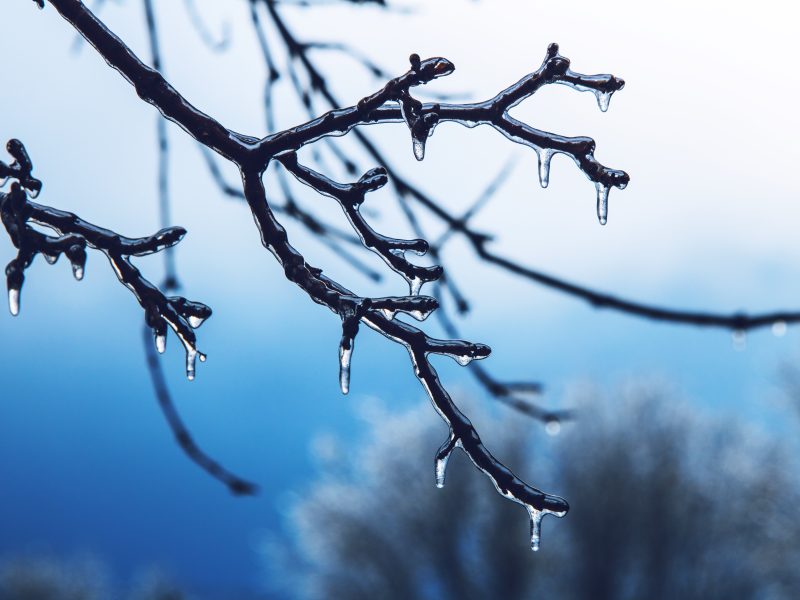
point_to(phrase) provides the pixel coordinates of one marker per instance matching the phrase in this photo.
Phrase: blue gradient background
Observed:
(706, 127)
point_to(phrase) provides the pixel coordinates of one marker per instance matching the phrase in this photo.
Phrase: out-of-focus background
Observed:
(683, 437)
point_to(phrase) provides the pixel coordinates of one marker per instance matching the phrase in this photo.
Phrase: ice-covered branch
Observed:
(74, 235)
(392, 103)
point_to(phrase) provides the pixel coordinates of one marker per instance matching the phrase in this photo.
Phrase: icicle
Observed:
(779, 328)
(161, 343)
(441, 469)
(545, 155)
(739, 339)
(536, 527)
(536, 516)
(13, 301)
(442, 456)
(602, 202)
(345, 354)
(419, 148)
(603, 99)
(77, 271)
(191, 355)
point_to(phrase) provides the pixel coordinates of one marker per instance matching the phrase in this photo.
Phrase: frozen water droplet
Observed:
(202, 357)
(462, 359)
(419, 315)
(553, 427)
(161, 343)
(50, 258)
(33, 193)
(419, 148)
(388, 313)
(603, 99)
(602, 202)
(779, 328)
(77, 271)
(739, 339)
(13, 301)
(195, 322)
(545, 155)
(345, 354)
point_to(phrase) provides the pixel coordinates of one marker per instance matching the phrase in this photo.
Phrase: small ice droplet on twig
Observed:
(77, 271)
(779, 328)
(545, 156)
(553, 426)
(602, 202)
(194, 321)
(739, 340)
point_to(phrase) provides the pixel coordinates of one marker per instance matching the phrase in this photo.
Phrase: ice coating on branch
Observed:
(13, 300)
(345, 356)
(602, 202)
(545, 156)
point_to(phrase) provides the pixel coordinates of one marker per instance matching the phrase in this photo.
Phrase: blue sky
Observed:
(705, 127)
